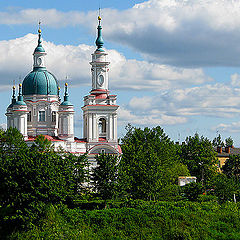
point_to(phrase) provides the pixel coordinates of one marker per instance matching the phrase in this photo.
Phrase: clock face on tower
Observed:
(100, 80)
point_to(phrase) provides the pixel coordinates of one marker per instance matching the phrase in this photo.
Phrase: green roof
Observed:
(40, 82)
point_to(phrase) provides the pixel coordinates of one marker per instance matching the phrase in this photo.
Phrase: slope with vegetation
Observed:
(44, 193)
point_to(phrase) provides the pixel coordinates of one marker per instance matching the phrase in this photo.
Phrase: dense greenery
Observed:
(199, 156)
(150, 166)
(45, 193)
(140, 220)
(32, 177)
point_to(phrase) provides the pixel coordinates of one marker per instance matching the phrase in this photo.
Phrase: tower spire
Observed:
(66, 96)
(39, 52)
(13, 95)
(99, 41)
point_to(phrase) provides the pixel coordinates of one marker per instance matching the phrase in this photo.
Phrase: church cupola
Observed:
(39, 52)
(20, 97)
(66, 97)
(13, 97)
(99, 65)
(17, 113)
(99, 41)
(40, 81)
(66, 118)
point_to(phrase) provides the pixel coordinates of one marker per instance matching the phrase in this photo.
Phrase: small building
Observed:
(182, 181)
(223, 154)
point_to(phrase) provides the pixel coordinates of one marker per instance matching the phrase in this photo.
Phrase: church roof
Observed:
(41, 82)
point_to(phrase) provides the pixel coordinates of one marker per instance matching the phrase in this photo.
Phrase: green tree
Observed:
(105, 174)
(200, 157)
(148, 156)
(225, 188)
(192, 191)
(217, 141)
(30, 179)
(232, 167)
(229, 142)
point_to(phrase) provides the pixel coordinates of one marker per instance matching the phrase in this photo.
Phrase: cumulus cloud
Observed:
(177, 106)
(148, 118)
(233, 127)
(73, 61)
(176, 32)
(3, 126)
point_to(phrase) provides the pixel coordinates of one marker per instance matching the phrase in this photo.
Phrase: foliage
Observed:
(192, 191)
(104, 175)
(31, 177)
(200, 158)
(217, 141)
(232, 167)
(225, 188)
(149, 163)
(229, 142)
(139, 220)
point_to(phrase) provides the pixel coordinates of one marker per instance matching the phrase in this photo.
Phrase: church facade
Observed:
(38, 109)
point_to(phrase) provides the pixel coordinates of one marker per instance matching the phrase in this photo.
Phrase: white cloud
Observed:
(3, 126)
(176, 32)
(73, 61)
(233, 127)
(147, 118)
(177, 106)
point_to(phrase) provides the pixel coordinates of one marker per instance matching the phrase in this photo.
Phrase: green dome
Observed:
(41, 82)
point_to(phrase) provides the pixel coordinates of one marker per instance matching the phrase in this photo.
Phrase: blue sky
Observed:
(174, 63)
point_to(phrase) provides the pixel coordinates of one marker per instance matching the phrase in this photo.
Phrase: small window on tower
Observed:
(54, 116)
(102, 128)
(29, 116)
(41, 116)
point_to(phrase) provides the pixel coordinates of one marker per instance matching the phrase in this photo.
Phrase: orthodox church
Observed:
(38, 108)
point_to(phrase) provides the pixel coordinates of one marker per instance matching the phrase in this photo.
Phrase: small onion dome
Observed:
(20, 97)
(99, 41)
(40, 82)
(13, 97)
(66, 97)
(39, 47)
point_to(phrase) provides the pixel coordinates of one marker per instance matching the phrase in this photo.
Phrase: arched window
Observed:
(42, 116)
(102, 127)
(54, 116)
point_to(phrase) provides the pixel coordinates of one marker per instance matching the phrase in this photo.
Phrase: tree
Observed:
(217, 141)
(104, 175)
(192, 191)
(148, 155)
(232, 167)
(31, 177)
(229, 142)
(225, 188)
(200, 157)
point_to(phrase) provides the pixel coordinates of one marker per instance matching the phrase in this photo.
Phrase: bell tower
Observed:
(100, 109)
(99, 63)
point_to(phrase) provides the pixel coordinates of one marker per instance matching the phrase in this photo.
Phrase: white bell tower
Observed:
(100, 109)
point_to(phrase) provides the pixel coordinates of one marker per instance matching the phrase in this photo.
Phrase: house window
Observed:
(54, 116)
(41, 116)
(29, 116)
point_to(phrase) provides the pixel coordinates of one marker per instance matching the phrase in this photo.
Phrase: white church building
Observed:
(38, 109)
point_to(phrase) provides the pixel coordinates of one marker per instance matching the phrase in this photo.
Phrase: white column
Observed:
(90, 126)
(109, 127)
(115, 127)
(94, 127)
